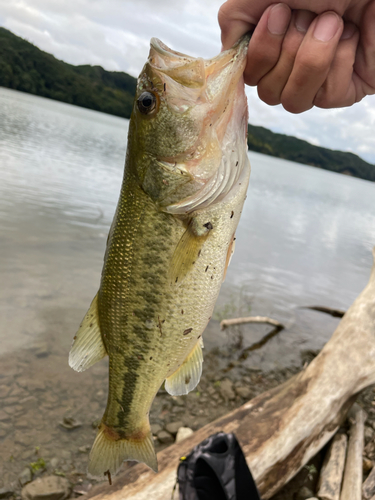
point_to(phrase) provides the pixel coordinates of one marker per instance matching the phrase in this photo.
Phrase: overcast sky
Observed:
(115, 34)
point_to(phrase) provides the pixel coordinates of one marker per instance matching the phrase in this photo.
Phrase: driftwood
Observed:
(352, 483)
(250, 319)
(280, 430)
(333, 468)
(368, 488)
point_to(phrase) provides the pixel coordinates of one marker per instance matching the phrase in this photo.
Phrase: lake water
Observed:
(305, 238)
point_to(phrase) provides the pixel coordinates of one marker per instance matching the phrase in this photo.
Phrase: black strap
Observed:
(216, 470)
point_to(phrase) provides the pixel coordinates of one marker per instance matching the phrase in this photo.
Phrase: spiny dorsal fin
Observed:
(187, 377)
(188, 251)
(87, 347)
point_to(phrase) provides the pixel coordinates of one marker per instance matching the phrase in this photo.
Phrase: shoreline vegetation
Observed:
(26, 68)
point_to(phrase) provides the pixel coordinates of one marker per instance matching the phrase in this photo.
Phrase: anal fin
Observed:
(87, 347)
(187, 376)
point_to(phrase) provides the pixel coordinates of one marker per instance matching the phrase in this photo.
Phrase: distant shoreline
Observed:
(26, 68)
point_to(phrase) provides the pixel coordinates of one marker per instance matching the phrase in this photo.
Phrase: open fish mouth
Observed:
(213, 91)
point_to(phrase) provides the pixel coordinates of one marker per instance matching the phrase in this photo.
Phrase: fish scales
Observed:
(169, 244)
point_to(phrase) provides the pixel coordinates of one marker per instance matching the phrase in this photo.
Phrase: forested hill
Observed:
(264, 141)
(25, 67)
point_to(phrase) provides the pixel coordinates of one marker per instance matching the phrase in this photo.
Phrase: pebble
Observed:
(367, 464)
(10, 401)
(84, 449)
(6, 492)
(82, 489)
(29, 402)
(165, 438)
(243, 392)
(65, 454)
(183, 433)
(370, 449)
(25, 476)
(54, 462)
(226, 390)
(155, 428)
(22, 423)
(304, 493)
(12, 410)
(369, 433)
(173, 427)
(178, 401)
(31, 384)
(95, 423)
(47, 488)
(70, 423)
(3, 416)
(4, 391)
(41, 350)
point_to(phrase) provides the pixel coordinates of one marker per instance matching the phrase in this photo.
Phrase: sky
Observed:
(115, 34)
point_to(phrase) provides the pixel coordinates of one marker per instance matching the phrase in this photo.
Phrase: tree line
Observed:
(25, 67)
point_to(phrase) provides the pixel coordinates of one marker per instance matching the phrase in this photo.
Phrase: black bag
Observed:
(216, 470)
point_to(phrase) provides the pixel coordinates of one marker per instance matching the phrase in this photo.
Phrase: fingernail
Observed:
(278, 19)
(348, 32)
(303, 20)
(326, 27)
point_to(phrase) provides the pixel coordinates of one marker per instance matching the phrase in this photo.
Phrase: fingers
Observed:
(364, 66)
(266, 42)
(339, 88)
(312, 63)
(235, 20)
(272, 84)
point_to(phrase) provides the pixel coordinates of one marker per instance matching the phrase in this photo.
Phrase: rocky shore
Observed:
(48, 423)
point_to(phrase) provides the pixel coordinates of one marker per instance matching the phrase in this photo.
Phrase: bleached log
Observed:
(368, 488)
(281, 429)
(333, 468)
(250, 319)
(352, 483)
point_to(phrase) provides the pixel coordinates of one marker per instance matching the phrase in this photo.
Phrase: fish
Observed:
(171, 240)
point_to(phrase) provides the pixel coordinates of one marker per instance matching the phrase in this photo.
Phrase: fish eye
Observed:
(146, 102)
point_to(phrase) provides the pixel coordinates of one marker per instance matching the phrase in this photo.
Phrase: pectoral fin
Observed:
(187, 377)
(230, 253)
(88, 347)
(188, 251)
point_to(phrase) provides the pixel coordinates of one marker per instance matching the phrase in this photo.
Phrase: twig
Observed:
(250, 319)
(332, 469)
(352, 483)
(368, 488)
(336, 313)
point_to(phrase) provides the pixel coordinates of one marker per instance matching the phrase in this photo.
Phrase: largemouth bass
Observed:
(185, 182)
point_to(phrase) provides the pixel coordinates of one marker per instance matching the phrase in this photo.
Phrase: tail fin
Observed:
(107, 454)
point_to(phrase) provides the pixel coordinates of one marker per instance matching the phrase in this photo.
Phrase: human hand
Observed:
(301, 58)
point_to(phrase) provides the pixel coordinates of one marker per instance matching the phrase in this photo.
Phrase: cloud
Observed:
(115, 34)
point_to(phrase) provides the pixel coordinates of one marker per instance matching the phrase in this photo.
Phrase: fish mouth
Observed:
(210, 93)
(196, 72)
(213, 90)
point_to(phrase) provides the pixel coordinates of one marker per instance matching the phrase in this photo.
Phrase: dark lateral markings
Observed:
(188, 330)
